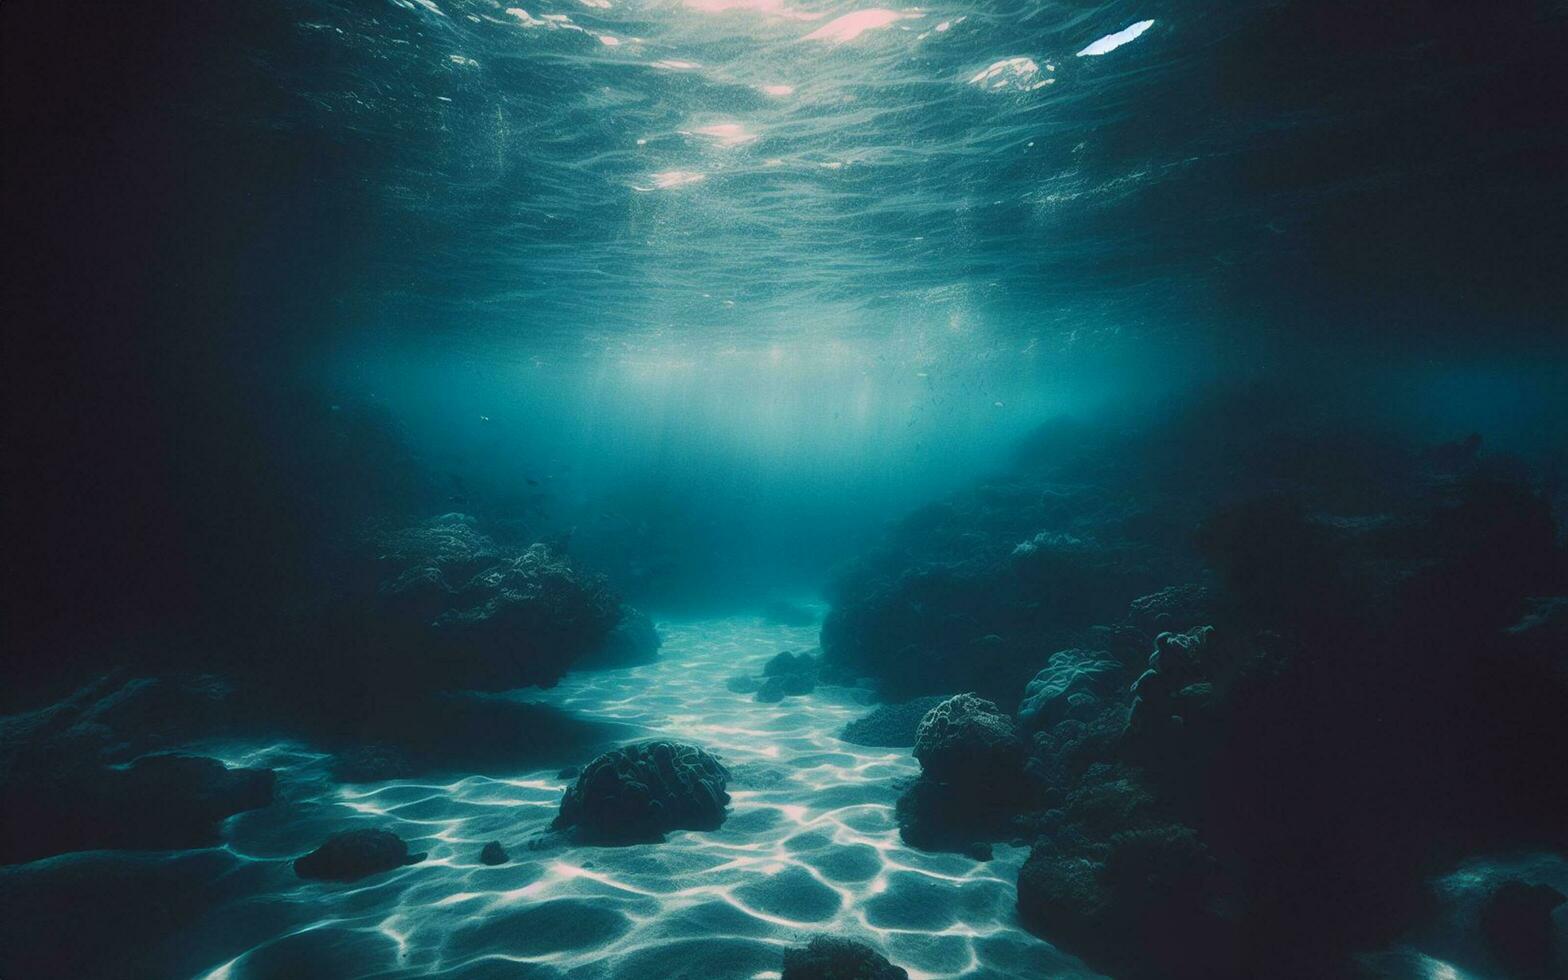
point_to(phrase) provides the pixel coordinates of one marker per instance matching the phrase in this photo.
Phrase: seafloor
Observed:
(810, 845)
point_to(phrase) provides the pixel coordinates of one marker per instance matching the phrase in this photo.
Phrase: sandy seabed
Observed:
(810, 845)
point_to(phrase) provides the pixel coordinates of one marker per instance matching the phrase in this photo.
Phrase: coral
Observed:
(639, 792)
(1082, 674)
(890, 725)
(967, 740)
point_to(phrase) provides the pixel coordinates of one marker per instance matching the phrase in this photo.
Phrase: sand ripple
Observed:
(810, 845)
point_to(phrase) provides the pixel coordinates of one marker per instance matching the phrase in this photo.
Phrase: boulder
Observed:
(493, 854)
(1152, 908)
(355, 854)
(159, 802)
(833, 958)
(640, 792)
(967, 740)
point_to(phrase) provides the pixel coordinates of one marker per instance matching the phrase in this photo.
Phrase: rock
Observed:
(634, 640)
(779, 687)
(1173, 687)
(743, 684)
(640, 792)
(1150, 909)
(973, 782)
(833, 958)
(967, 740)
(523, 621)
(159, 802)
(891, 725)
(493, 853)
(452, 611)
(786, 663)
(355, 854)
(1516, 924)
(1068, 674)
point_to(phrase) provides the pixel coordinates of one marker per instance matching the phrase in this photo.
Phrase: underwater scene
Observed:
(796, 489)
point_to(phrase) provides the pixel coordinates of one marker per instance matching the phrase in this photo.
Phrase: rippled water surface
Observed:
(810, 845)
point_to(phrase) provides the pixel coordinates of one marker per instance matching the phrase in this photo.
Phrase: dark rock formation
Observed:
(1149, 908)
(890, 725)
(968, 741)
(972, 782)
(1171, 609)
(70, 803)
(832, 958)
(640, 792)
(1072, 684)
(1383, 692)
(1516, 924)
(784, 675)
(632, 641)
(441, 607)
(493, 854)
(355, 854)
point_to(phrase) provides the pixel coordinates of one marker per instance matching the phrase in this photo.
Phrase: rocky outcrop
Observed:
(642, 791)
(1149, 908)
(493, 854)
(156, 803)
(833, 958)
(441, 607)
(967, 740)
(355, 854)
(785, 675)
(972, 781)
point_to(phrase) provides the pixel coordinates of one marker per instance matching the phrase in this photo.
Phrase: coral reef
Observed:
(972, 781)
(1072, 683)
(1355, 684)
(493, 854)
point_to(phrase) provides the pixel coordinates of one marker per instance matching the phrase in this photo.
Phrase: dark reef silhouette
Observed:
(1353, 684)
